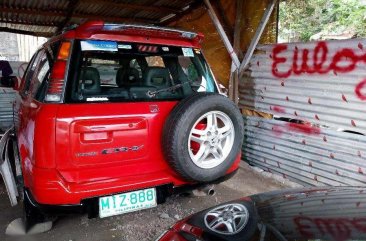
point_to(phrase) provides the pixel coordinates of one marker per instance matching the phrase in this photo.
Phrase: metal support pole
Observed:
(257, 36)
(222, 33)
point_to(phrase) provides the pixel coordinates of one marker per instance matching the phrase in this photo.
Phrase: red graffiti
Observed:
(277, 130)
(358, 90)
(305, 128)
(339, 229)
(301, 61)
(279, 109)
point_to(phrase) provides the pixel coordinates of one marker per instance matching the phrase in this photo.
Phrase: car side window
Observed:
(30, 72)
(38, 82)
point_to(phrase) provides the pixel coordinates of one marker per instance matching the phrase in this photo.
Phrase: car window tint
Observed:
(41, 74)
(135, 72)
(30, 72)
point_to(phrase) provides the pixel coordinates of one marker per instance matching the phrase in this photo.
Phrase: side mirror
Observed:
(9, 82)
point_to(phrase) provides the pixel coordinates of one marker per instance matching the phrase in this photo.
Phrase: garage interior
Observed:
(291, 136)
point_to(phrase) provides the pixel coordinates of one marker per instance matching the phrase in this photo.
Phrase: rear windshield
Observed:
(105, 71)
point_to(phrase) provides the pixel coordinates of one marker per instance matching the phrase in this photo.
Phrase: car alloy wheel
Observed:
(211, 145)
(227, 219)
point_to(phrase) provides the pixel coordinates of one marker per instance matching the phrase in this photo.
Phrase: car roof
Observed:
(150, 34)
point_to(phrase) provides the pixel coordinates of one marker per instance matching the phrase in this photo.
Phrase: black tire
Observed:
(177, 129)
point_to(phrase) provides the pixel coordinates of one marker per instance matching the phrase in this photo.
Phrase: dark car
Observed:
(337, 213)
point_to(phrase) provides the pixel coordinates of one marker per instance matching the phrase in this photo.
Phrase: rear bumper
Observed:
(48, 186)
(90, 205)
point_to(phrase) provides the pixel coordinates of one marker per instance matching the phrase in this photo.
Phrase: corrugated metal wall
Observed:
(6, 108)
(28, 45)
(323, 86)
(7, 96)
(316, 156)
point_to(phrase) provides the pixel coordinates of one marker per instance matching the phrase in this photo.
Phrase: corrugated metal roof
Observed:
(45, 17)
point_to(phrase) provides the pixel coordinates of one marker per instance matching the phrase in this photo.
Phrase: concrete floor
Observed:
(146, 224)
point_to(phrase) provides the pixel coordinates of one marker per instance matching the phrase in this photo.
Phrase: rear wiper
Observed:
(152, 94)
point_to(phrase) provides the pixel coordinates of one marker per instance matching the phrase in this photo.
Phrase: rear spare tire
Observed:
(202, 137)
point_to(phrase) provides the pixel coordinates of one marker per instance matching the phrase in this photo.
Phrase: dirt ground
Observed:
(146, 224)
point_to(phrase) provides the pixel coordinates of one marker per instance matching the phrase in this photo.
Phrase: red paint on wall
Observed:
(278, 109)
(344, 98)
(303, 62)
(360, 90)
(343, 61)
(305, 128)
(277, 130)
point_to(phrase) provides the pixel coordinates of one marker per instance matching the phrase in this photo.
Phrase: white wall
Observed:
(27, 46)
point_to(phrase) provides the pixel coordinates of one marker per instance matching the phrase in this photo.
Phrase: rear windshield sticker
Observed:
(187, 52)
(166, 49)
(93, 45)
(124, 46)
(147, 48)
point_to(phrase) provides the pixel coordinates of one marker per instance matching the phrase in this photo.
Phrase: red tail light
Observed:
(57, 77)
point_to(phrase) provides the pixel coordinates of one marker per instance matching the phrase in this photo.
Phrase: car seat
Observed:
(90, 81)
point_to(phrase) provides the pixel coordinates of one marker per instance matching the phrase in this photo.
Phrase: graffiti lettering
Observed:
(358, 90)
(319, 62)
(343, 61)
(339, 229)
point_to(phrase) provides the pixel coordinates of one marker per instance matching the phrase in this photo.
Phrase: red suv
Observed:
(113, 118)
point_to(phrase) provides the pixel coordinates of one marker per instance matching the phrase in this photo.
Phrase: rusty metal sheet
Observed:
(320, 82)
(305, 153)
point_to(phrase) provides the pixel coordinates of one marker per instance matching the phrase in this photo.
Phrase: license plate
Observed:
(127, 202)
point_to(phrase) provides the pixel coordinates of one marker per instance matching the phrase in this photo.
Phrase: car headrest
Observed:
(127, 77)
(157, 76)
(90, 80)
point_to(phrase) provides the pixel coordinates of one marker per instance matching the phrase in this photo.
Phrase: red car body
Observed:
(51, 136)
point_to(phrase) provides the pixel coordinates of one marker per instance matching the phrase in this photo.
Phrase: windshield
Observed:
(115, 71)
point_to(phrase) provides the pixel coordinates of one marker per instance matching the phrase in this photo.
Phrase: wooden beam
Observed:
(40, 12)
(36, 23)
(222, 34)
(58, 13)
(186, 10)
(234, 75)
(141, 7)
(223, 18)
(257, 36)
(238, 27)
(71, 6)
(39, 34)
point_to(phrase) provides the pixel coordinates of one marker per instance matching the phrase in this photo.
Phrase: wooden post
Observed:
(234, 78)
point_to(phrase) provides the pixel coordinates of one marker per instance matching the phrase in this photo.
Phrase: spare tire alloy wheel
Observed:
(215, 141)
(202, 137)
